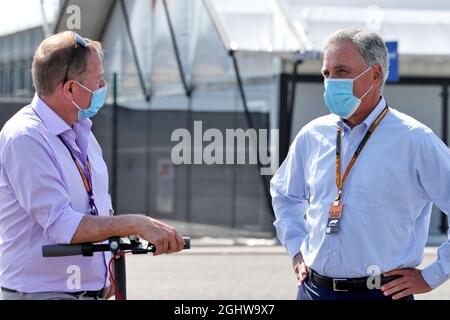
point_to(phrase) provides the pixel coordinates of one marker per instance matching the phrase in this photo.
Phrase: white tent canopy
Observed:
(422, 29)
(261, 31)
(254, 26)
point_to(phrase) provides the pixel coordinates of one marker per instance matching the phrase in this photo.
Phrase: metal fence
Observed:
(225, 200)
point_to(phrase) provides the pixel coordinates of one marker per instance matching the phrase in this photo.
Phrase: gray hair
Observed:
(52, 57)
(370, 45)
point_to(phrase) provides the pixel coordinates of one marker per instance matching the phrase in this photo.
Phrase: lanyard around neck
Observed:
(339, 182)
(87, 181)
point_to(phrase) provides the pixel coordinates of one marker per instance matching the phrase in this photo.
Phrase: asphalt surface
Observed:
(225, 272)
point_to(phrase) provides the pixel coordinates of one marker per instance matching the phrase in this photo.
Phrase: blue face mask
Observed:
(97, 101)
(339, 96)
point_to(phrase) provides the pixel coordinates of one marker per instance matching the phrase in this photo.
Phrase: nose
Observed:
(101, 83)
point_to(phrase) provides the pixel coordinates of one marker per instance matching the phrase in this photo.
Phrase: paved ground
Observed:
(225, 272)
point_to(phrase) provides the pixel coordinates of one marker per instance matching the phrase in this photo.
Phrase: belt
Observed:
(91, 294)
(345, 285)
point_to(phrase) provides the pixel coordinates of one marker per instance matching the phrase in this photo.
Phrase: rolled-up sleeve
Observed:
(289, 200)
(433, 170)
(38, 186)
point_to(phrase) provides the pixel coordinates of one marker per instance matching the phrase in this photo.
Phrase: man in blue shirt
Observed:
(353, 198)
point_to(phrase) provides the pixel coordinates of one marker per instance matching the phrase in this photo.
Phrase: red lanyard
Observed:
(336, 208)
(355, 156)
(87, 181)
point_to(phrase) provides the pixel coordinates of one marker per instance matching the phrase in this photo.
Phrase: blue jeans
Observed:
(312, 291)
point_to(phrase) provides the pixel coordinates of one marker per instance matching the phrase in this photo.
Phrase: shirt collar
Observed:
(370, 118)
(82, 126)
(375, 113)
(54, 123)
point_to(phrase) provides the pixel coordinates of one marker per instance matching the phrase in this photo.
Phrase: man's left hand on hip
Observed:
(410, 282)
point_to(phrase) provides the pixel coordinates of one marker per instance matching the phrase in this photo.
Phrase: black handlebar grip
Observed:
(61, 250)
(187, 242)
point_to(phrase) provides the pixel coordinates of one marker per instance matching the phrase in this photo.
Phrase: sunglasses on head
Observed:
(79, 42)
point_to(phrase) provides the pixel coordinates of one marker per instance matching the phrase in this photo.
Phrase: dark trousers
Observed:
(312, 291)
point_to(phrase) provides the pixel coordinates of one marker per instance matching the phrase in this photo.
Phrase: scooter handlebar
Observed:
(63, 250)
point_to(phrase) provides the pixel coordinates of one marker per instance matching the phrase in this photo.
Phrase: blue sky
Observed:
(22, 14)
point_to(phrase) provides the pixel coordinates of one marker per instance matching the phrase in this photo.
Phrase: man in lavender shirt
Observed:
(54, 181)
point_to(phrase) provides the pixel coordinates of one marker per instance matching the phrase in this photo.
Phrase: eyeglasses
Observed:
(79, 41)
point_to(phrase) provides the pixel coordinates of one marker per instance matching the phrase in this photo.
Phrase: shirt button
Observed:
(334, 254)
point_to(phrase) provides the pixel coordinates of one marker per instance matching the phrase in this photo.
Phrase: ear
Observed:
(67, 90)
(377, 75)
